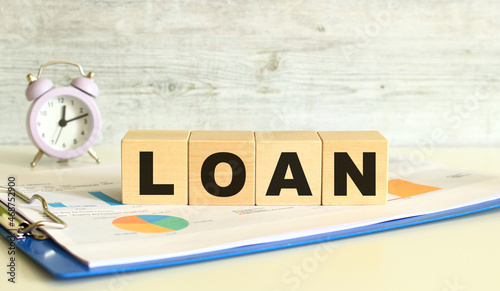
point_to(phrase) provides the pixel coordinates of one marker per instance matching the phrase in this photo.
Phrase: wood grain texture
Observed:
(405, 68)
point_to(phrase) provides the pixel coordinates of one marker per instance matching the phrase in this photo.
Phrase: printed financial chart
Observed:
(150, 223)
(135, 223)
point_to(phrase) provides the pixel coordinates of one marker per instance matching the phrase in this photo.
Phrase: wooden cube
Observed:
(288, 168)
(154, 167)
(354, 167)
(221, 168)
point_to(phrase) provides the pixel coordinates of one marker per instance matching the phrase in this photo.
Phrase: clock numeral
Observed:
(85, 121)
(64, 145)
(83, 132)
(60, 100)
(75, 141)
(43, 113)
(72, 102)
(50, 104)
(81, 109)
(52, 142)
(38, 123)
(43, 135)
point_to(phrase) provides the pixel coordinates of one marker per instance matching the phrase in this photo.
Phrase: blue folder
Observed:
(61, 264)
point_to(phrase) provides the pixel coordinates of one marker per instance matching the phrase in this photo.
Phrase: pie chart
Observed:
(150, 223)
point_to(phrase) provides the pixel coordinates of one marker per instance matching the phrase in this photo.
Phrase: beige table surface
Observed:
(452, 255)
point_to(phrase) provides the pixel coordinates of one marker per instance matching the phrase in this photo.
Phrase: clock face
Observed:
(64, 122)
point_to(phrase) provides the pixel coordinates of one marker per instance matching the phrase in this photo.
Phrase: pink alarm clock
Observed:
(63, 122)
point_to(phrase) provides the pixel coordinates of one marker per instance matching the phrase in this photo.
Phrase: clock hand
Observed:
(62, 122)
(60, 130)
(78, 117)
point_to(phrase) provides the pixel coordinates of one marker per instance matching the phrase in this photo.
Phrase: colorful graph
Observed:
(404, 188)
(99, 195)
(57, 204)
(105, 198)
(150, 223)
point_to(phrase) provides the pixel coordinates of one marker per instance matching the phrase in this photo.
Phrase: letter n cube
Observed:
(354, 167)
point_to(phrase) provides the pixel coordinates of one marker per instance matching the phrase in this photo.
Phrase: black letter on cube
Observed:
(146, 186)
(344, 165)
(208, 174)
(298, 182)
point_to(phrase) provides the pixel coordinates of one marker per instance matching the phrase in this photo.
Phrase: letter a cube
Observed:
(288, 168)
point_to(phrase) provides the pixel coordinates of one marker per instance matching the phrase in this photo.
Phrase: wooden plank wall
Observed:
(418, 71)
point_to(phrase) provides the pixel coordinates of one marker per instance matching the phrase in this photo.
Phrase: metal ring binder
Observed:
(33, 229)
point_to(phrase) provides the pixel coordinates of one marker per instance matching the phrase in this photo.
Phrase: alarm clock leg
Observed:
(38, 156)
(93, 154)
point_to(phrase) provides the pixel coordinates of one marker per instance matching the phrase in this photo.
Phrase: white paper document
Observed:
(101, 231)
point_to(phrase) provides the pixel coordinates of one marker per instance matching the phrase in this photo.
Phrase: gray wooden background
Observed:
(424, 73)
